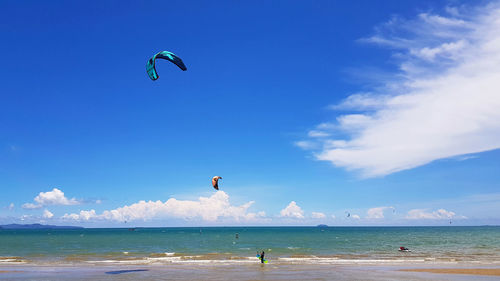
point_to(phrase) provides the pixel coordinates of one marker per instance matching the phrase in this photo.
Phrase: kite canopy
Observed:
(215, 182)
(150, 66)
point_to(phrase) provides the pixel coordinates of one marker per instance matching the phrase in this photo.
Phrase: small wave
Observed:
(168, 254)
(177, 259)
(11, 260)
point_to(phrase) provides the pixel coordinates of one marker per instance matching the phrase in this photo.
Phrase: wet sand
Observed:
(470, 271)
(253, 272)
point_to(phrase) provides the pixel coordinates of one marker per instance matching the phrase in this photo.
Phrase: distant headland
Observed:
(36, 226)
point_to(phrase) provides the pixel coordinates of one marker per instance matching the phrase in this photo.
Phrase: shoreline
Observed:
(229, 261)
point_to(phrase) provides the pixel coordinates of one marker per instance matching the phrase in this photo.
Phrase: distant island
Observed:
(36, 226)
(322, 225)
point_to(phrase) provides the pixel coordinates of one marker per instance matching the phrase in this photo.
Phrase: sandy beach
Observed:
(469, 271)
(244, 272)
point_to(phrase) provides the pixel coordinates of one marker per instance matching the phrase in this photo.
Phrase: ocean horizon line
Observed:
(76, 227)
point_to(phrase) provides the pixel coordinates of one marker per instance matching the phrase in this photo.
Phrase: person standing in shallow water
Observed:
(262, 257)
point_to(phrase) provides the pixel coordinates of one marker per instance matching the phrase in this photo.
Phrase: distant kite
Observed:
(215, 182)
(150, 66)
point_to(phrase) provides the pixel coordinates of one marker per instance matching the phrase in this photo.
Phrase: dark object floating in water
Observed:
(404, 249)
(126, 271)
(322, 225)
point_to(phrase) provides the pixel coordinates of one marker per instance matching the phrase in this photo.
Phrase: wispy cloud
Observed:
(442, 103)
(434, 215)
(318, 215)
(54, 197)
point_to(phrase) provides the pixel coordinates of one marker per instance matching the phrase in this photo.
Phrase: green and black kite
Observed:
(150, 67)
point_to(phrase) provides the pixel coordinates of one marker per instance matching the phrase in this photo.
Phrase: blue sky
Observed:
(308, 110)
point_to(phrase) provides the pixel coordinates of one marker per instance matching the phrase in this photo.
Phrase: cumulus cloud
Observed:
(54, 197)
(435, 215)
(377, 212)
(11, 207)
(292, 211)
(356, 217)
(208, 209)
(443, 101)
(47, 214)
(318, 215)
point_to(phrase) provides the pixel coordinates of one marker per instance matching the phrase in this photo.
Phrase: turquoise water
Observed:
(282, 244)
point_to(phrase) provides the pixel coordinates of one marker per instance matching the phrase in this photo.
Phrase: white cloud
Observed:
(306, 144)
(439, 20)
(317, 134)
(208, 209)
(47, 214)
(361, 101)
(31, 206)
(73, 216)
(445, 49)
(292, 211)
(356, 217)
(377, 212)
(25, 217)
(435, 215)
(333, 217)
(442, 103)
(54, 197)
(318, 215)
(11, 206)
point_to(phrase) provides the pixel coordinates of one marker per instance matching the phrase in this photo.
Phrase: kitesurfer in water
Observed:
(262, 257)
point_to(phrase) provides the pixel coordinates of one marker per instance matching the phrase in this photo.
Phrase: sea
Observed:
(240, 245)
